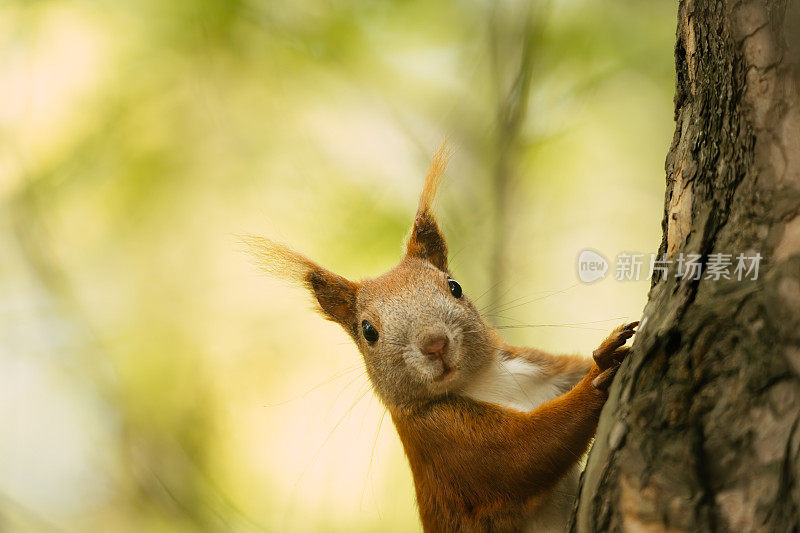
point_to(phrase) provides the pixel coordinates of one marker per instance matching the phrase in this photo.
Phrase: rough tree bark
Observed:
(701, 431)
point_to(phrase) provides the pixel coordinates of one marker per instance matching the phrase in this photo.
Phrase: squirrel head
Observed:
(420, 335)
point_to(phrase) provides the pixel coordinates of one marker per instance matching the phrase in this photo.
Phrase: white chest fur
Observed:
(513, 382)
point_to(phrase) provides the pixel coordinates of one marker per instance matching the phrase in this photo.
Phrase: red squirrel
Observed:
(494, 433)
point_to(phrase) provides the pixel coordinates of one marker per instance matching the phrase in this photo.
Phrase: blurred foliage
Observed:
(150, 379)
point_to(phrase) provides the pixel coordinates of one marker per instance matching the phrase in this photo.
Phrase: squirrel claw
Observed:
(621, 353)
(610, 351)
(606, 377)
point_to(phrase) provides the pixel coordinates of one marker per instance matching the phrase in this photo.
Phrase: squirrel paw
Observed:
(612, 351)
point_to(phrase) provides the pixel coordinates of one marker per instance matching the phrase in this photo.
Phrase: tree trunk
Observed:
(700, 432)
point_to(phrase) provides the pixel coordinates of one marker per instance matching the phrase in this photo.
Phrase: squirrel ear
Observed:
(426, 240)
(335, 295)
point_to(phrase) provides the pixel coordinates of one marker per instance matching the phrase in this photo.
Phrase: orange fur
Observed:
(479, 467)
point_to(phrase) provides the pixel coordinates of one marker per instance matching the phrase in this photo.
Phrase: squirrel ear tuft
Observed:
(335, 295)
(426, 240)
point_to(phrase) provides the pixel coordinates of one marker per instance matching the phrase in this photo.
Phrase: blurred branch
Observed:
(511, 109)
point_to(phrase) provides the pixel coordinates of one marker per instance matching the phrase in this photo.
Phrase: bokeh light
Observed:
(151, 379)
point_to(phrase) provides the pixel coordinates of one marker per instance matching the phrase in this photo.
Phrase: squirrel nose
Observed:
(434, 346)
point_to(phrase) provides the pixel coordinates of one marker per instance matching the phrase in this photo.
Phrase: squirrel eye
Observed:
(370, 333)
(455, 288)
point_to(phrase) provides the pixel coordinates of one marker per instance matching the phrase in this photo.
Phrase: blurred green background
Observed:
(151, 379)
